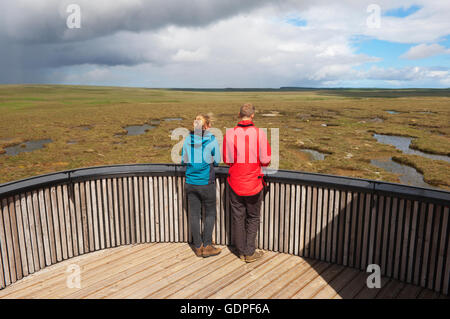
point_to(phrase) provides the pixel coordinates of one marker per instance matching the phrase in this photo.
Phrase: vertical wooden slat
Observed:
(38, 228)
(446, 266)
(217, 229)
(308, 222)
(330, 225)
(170, 212)
(156, 193)
(427, 245)
(111, 212)
(267, 203)
(153, 226)
(292, 205)
(422, 219)
(366, 232)
(324, 227)
(297, 226)
(50, 225)
(353, 229)
(57, 228)
(228, 221)
(100, 213)
(342, 227)
(185, 214)
(276, 217)
(9, 239)
(26, 227)
(347, 228)
(386, 231)
(412, 243)
(313, 219)
(271, 229)
(33, 235)
(122, 212)
(436, 230)
(106, 213)
(397, 260)
(95, 222)
(126, 211)
(87, 239)
(44, 227)
(372, 229)
(337, 198)
(15, 237)
(79, 217)
(161, 209)
(73, 219)
(405, 240)
(360, 230)
(279, 216)
(62, 223)
(22, 240)
(390, 259)
(5, 271)
(442, 263)
(284, 211)
(135, 212)
(117, 225)
(146, 209)
(166, 210)
(66, 223)
(180, 209)
(318, 230)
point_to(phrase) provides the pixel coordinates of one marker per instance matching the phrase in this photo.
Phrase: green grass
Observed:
(30, 112)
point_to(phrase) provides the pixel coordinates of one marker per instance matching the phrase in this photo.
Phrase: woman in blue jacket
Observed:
(200, 154)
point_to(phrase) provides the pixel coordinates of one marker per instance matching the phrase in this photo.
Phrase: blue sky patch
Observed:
(296, 21)
(402, 11)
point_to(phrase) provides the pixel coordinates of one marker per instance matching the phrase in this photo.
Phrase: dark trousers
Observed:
(198, 194)
(245, 214)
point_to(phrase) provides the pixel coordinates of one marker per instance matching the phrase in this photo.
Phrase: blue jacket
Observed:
(200, 154)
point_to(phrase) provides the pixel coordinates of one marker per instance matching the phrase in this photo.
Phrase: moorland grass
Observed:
(60, 113)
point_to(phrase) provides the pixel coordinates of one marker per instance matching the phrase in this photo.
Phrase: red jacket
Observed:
(246, 150)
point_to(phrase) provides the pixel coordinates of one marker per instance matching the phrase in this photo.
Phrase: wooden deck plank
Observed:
(167, 270)
(253, 271)
(315, 285)
(157, 272)
(52, 275)
(301, 281)
(279, 282)
(336, 284)
(390, 290)
(100, 271)
(127, 274)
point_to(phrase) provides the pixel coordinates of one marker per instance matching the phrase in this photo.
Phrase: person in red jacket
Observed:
(246, 150)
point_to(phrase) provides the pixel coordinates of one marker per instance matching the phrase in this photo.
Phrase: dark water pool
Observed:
(133, 130)
(314, 155)
(402, 143)
(26, 147)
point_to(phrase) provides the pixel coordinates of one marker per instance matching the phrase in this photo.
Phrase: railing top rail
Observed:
(292, 177)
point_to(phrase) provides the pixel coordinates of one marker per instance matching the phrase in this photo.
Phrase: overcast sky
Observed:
(227, 43)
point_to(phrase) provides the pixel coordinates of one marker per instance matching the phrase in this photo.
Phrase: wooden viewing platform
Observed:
(126, 226)
(168, 270)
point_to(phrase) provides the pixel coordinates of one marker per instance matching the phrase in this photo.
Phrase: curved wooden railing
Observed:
(351, 222)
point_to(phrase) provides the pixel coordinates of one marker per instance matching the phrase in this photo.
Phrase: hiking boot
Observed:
(199, 251)
(256, 255)
(210, 250)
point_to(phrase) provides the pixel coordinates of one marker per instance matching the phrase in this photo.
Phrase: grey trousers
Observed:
(198, 195)
(245, 214)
